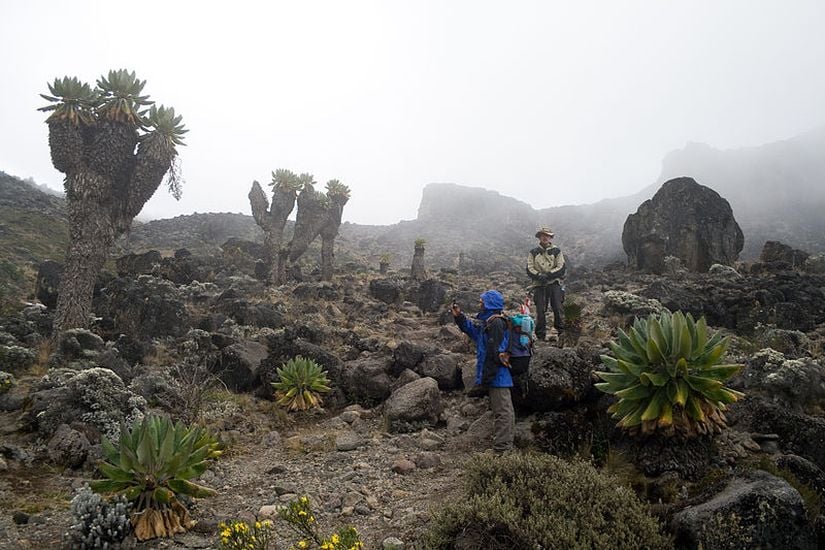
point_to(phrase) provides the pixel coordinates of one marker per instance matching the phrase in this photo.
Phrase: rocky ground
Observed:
(353, 471)
(399, 426)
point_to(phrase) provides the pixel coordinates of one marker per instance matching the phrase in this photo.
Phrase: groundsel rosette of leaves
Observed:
(152, 464)
(301, 383)
(666, 375)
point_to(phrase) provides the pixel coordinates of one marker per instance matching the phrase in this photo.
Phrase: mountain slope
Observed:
(33, 228)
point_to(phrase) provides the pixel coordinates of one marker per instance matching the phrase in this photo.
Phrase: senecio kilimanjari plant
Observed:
(152, 465)
(300, 384)
(666, 375)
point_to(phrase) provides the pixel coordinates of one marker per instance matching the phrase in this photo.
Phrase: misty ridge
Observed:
(776, 191)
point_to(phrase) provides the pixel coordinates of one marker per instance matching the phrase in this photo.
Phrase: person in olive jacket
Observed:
(489, 332)
(545, 267)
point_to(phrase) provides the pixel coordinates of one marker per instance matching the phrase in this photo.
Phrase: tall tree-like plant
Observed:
(114, 154)
(317, 213)
(417, 271)
(337, 197)
(271, 217)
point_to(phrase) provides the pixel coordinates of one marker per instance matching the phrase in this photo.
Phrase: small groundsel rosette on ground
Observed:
(666, 375)
(300, 384)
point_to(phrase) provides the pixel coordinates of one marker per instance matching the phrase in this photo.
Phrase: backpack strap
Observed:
(508, 325)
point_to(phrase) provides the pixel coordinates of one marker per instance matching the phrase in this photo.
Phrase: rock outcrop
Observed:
(686, 220)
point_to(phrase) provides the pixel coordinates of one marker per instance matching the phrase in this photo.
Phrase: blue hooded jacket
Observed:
(494, 338)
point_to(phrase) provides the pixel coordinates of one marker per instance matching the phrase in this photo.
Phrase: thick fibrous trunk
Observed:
(328, 233)
(327, 256)
(102, 206)
(272, 219)
(66, 145)
(91, 236)
(308, 223)
(418, 272)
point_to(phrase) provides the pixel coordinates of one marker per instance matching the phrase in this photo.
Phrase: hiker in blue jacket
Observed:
(489, 332)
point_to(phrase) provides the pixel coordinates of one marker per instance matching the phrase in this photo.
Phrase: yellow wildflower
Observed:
(303, 544)
(301, 513)
(335, 539)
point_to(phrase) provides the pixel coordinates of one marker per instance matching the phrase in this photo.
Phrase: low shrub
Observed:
(541, 501)
(98, 523)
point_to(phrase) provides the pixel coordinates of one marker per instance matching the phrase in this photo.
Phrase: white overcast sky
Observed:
(549, 102)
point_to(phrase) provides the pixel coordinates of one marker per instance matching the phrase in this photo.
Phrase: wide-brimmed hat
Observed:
(544, 231)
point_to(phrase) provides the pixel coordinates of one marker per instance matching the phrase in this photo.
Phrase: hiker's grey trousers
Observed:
(504, 418)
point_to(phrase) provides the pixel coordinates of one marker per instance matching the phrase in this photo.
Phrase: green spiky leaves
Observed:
(71, 100)
(116, 98)
(301, 383)
(120, 99)
(155, 461)
(166, 124)
(336, 189)
(286, 180)
(666, 375)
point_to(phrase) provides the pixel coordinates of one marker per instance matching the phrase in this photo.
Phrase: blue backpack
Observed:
(521, 329)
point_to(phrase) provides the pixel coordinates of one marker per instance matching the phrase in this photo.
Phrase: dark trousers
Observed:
(543, 295)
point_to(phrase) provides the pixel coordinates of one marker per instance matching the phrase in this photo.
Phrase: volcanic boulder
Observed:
(686, 220)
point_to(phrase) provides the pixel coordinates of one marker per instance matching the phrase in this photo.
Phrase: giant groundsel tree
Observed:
(317, 214)
(114, 147)
(271, 217)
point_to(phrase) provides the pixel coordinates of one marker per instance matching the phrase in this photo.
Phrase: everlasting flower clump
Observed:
(299, 517)
(6, 381)
(239, 535)
(98, 523)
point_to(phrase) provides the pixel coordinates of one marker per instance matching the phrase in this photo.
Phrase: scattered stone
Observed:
(403, 466)
(68, 447)
(427, 460)
(392, 543)
(348, 441)
(268, 511)
(417, 402)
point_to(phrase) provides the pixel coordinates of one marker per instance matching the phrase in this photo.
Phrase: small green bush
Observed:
(541, 501)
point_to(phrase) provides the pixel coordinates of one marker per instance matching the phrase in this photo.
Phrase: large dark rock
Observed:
(145, 307)
(789, 300)
(365, 381)
(776, 252)
(756, 510)
(138, 264)
(68, 447)
(799, 433)
(413, 405)
(429, 295)
(797, 384)
(686, 220)
(239, 364)
(48, 282)
(385, 290)
(558, 379)
(443, 368)
(407, 355)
